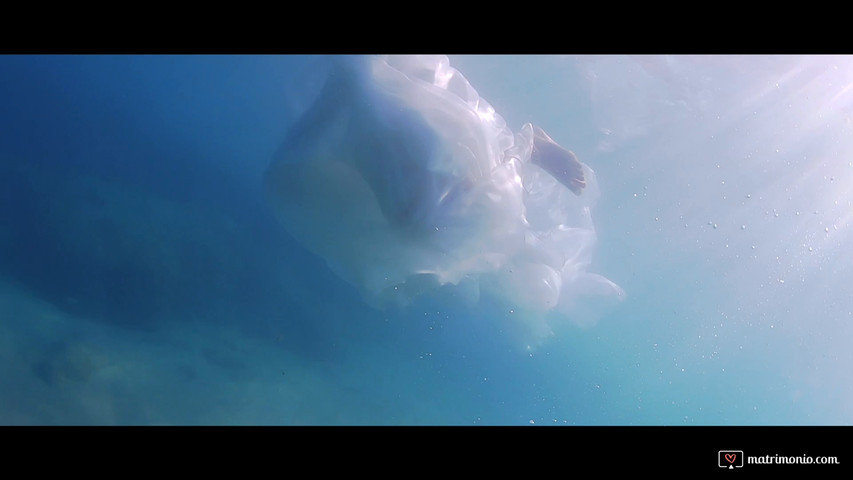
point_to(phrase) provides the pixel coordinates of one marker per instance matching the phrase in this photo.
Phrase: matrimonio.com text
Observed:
(790, 460)
(732, 459)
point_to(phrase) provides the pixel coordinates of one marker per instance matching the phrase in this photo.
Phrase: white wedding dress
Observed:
(403, 179)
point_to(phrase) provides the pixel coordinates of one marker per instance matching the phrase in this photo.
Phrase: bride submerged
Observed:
(403, 179)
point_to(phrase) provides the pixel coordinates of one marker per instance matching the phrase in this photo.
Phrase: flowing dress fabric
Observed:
(403, 179)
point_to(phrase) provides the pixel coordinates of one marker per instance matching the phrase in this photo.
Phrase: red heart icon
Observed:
(730, 457)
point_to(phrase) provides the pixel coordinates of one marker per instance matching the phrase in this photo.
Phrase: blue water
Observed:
(143, 279)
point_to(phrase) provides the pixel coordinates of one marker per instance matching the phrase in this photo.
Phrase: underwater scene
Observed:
(426, 240)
